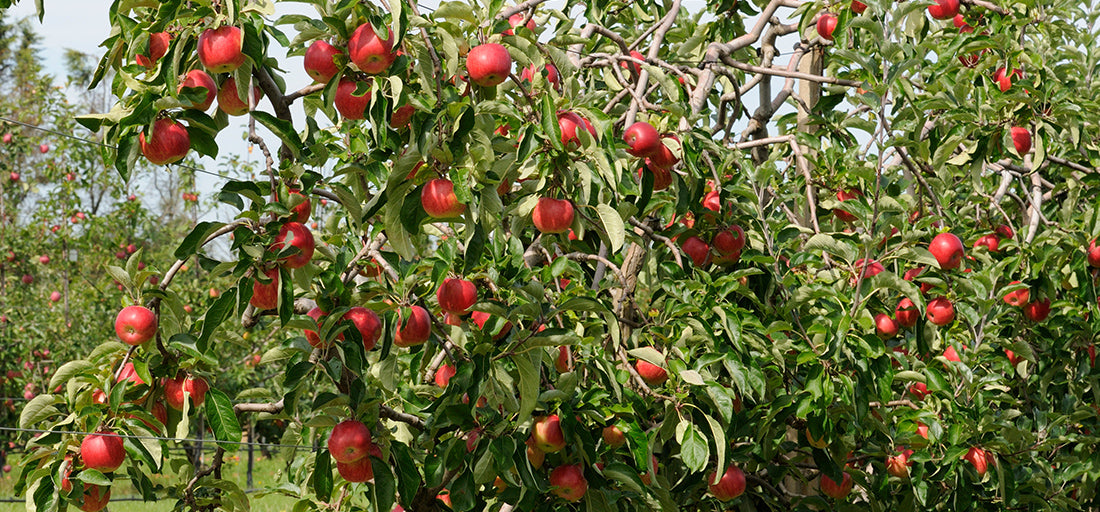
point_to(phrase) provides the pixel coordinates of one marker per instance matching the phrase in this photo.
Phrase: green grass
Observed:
(264, 473)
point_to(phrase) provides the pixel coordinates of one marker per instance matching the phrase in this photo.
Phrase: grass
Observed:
(264, 473)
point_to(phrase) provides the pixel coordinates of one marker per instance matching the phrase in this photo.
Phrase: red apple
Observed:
(898, 465)
(730, 486)
(906, 313)
(652, 374)
(415, 330)
(102, 451)
(456, 295)
(481, 318)
(312, 336)
(349, 442)
(826, 24)
(552, 215)
(168, 142)
(174, 389)
(439, 200)
(357, 471)
(547, 434)
(858, 7)
(1013, 359)
(370, 53)
(1037, 311)
(944, 9)
(1021, 138)
(844, 195)
(663, 158)
(940, 311)
(27, 279)
(729, 240)
(834, 490)
(158, 46)
(630, 64)
(567, 482)
(516, 20)
(569, 123)
(978, 458)
(951, 354)
(534, 455)
(300, 238)
(488, 64)
(128, 373)
(443, 375)
(561, 363)
(919, 390)
(712, 201)
(347, 103)
(885, 326)
(990, 241)
(221, 49)
(613, 436)
(552, 75)
(1092, 255)
(95, 497)
(948, 250)
(642, 139)
(1004, 78)
(870, 267)
(7, 138)
(135, 325)
(697, 250)
(266, 295)
(230, 100)
(43, 148)
(368, 324)
(321, 61)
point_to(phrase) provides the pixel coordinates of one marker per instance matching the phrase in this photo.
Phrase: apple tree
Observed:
(768, 255)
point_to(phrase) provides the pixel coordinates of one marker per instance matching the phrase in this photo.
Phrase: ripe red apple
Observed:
(320, 61)
(858, 7)
(102, 451)
(898, 465)
(301, 238)
(1021, 138)
(730, 486)
(940, 311)
(347, 103)
(368, 324)
(13, 176)
(266, 296)
(221, 49)
(948, 250)
(175, 388)
(43, 148)
(561, 363)
(95, 497)
(697, 250)
(652, 374)
(712, 201)
(55, 296)
(951, 354)
(826, 24)
(230, 100)
(44, 259)
(415, 330)
(439, 200)
(358, 471)
(729, 240)
(456, 295)
(1004, 78)
(534, 455)
(312, 336)
(27, 279)
(642, 139)
(569, 123)
(516, 20)
(870, 267)
(547, 434)
(370, 53)
(834, 490)
(128, 373)
(630, 64)
(919, 390)
(552, 75)
(552, 215)
(885, 326)
(1037, 311)
(663, 158)
(978, 458)
(1013, 359)
(443, 375)
(944, 9)
(488, 64)
(168, 142)
(990, 241)
(158, 46)
(567, 482)
(481, 318)
(135, 325)
(906, 313)
(349, 441)
(7, 138)
(613, 436)
(1092, 255)
(844, 195)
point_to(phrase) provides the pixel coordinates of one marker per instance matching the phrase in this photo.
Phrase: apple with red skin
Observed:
(940, 311)
(102, 451)
(516, 20)
(906, 313)
(95, 497)
(1037, 311)
(320, 61)
(168, 142)
(368, 325)
(99, 397)
(456, 295)
(350, 441)
(221, 49)
(911, 275)
(569, 123)
(919, 390)
(415, 330)
(663, 158)
(552, 215)
(1013, 359)
(870, 267)
(552, 75)
(885, 326)
(697, 250)
(347, 103)
(135, 325)
(439, 200)
(488, 65)
(128, 373)
(55, 296)
(266, 295)
(644, 476)
(613, 436)
(174, 390)
(990, 241)
(230, 100)
(858, 7)
(547, 434)
(1017, 298)
(712, 201)
(898, 465)
(729, 240)
(844, 195)
(978, 458)
(1004, 78)
(534, 455)
(312, 337)
(831, 488)
(356, 471)
(7, 138)
(158, 46)
(826, 24)
(561, 363)
(948, 250)
(301, 238)
(642, 139)
(630, 64)
(1092, 255)
(1021, 139)
(567, 482)
(951, 354)
(443, 375)
(730, 486)
(652, 374)
(370, 53)
(944, 9)
(43, 148)
(481, 318)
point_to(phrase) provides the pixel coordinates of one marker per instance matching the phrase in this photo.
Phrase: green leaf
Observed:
(67, 371)
(693, 448)
(94, 477)
(283, 129)
(613, 225)
(223, 421)
(193, 241)
(550, 122)
(38, 409)
(218, 312)
(322, 476)
(528, 383)
(830, 245)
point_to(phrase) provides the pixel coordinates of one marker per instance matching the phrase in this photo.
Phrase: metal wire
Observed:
(128, 436)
